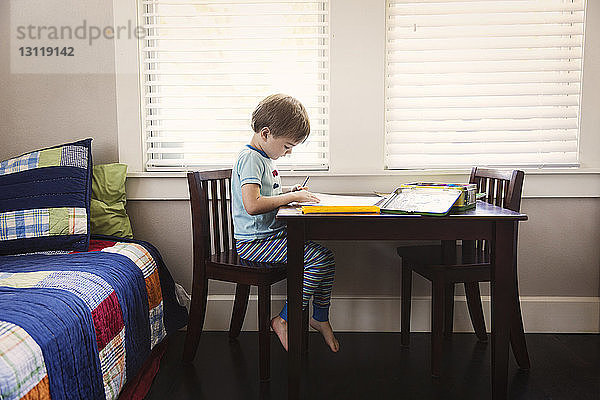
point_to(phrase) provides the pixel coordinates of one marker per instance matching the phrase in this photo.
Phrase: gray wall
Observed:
(559, 252)
(38, 110)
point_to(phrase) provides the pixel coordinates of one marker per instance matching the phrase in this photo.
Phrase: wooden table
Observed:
(486, 221)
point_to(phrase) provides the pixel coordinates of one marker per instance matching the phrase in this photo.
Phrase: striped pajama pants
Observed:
(319, 269)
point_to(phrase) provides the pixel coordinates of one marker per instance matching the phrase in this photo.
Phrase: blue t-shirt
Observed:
(254, 166)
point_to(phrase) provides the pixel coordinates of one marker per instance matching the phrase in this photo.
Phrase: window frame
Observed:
(319, 160)
(562, 152)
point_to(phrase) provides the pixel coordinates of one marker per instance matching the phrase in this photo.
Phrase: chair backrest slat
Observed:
(223, 183)
(214, 206)
(211, 211)
(491, 190)
(500, 194)
(205, 204)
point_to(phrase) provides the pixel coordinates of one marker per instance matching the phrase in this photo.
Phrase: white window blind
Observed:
(494, 83)
(207, 64)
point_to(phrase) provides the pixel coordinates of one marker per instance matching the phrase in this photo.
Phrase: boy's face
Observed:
(276, 147)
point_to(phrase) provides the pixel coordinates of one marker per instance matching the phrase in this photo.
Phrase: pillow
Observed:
(45, 199)
(108, 215)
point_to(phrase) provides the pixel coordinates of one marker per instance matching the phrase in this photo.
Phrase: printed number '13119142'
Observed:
(47, 51)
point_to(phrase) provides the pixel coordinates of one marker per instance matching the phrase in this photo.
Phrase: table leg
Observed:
(448, 258)
(517, 332)
(437, 326)
(295, 264)
(502, 285)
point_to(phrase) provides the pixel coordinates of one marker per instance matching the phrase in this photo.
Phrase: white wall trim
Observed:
(128, 91)
(549, 184)
(382, 314)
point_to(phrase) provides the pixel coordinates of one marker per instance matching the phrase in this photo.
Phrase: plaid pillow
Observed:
(45, 199)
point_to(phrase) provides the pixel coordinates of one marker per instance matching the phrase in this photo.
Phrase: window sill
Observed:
(539, 183)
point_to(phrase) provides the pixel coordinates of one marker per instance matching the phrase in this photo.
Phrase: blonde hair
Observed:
(284, 115)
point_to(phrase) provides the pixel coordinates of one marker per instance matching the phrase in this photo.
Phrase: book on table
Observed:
(330, 203)
(421, 200)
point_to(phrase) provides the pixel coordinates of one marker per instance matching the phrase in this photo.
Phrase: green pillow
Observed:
(108, 215)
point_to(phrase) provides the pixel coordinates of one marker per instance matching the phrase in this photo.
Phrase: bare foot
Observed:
(325, 329)
(279, 325)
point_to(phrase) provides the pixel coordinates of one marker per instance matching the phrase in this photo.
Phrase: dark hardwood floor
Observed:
(374, 366)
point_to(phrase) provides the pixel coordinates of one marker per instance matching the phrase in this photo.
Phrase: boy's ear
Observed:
(264, 132)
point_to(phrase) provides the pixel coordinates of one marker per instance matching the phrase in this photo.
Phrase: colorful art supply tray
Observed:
(467, 199)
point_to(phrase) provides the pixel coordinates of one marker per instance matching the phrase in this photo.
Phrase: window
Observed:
(207, 64)
(493, 83)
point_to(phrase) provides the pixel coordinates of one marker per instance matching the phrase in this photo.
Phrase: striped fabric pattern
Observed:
(92, 289)
(21, 163)
(112, 361)
(23, 279)
(23, 224)
(157, 326)
(74, 156)
(35, 223)
(319, 264)
(146, 263)
(77, 221)
(22, 365)
(136, 253)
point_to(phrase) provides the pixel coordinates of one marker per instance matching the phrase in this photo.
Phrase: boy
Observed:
(279, 123)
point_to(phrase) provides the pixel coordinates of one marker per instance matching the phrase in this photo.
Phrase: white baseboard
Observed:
(382, 314)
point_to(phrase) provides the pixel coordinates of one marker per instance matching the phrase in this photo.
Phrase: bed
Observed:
(81, 324)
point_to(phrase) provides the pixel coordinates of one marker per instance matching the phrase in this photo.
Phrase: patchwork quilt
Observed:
(79, 325)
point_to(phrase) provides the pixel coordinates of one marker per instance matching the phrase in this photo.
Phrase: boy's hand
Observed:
(304, 196)
(298, 187)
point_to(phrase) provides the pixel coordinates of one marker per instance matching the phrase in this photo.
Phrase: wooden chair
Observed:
(215, 258)
(447, 264)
